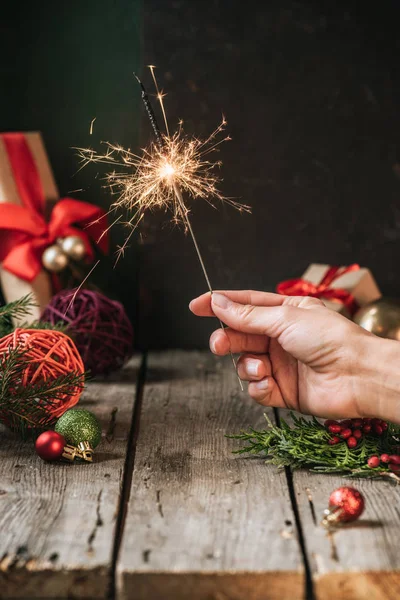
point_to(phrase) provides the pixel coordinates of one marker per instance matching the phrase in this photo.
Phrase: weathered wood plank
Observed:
(202, 522)
(362, 559)
(57, 521)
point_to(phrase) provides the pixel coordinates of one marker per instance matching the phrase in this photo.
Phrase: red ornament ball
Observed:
(346, 504)
(50, 445)
(99, 326)
(48, 354)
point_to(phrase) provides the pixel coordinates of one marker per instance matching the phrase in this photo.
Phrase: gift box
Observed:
(15, 188)
(343, 289)
(37, 229)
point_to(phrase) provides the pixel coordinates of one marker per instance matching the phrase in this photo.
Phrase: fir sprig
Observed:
(21, 308)
(305, 445)
(14, 310)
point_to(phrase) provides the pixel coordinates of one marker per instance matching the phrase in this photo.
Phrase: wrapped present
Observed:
(34, 223)
(343, 289)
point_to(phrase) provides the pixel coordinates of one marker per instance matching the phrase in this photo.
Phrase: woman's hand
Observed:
(298, 354)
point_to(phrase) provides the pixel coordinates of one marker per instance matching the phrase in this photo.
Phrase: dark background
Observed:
(311, 93)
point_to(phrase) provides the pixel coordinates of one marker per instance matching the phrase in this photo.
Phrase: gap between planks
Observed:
(128, 472)
(309, 592)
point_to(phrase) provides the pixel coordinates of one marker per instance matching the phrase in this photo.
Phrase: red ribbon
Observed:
(302, 287)
(24, 233)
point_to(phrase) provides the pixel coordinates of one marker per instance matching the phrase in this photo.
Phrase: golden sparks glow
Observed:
(151, 179)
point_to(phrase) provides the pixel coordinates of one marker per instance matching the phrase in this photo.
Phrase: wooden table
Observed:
(168, 512)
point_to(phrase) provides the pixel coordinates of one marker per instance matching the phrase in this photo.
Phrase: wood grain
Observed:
(57, 521)
(202, 522)
(360, 560)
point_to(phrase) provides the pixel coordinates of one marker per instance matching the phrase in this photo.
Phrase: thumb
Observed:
(268, 320)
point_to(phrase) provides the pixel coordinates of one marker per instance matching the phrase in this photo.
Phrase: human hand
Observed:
(298, 354)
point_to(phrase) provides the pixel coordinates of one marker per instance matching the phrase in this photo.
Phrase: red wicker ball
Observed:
(99, 326)
(50, 354)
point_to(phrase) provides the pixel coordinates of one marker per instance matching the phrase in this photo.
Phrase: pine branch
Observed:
(21, 308)
(305, 445)
(14, 310)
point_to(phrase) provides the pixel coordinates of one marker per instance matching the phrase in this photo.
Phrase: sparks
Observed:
(149, 181)
(173, 166)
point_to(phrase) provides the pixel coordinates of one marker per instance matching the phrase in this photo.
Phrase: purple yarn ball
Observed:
(99, 327)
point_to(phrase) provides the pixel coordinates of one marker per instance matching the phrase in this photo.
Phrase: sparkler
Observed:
(170, 166)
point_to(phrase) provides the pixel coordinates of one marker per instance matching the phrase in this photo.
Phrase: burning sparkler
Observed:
(171, 166)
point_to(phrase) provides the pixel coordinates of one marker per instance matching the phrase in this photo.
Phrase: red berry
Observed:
(346, 433)
(378, 429)
(394, 458)
(352, 442)
(330, 422)
(357, 434)
(385, 458)
(373, 462)
(394, 467)
(384, 425)
(334, 429)
(334, 440)
(367, 421)
(357, 423)
(346, 423)
(367, 428)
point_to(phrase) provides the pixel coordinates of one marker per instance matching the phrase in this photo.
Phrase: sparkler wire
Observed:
(178, 193)
(185, 216)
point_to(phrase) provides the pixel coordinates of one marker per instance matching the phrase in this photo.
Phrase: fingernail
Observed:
(220, 300)
(212, 344)
(190, 305)
(262, 385)
(252, 367)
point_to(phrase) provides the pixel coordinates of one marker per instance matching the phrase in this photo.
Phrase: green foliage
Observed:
(305, 445)
(19, 309)
(14, 310)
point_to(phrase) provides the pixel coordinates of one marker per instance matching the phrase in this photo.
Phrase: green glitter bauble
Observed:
(79, 425)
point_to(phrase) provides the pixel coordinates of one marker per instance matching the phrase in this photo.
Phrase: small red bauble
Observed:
(346, 504)
(385, 458)
(50, 445)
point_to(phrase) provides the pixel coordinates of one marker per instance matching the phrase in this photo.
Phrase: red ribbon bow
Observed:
(302, 287)
(24, 232)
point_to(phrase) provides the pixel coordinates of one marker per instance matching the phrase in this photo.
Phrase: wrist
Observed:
(380, 379)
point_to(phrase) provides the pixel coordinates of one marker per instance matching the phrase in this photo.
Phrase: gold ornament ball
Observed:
(381, 317)
(74, 247)
(54, 259)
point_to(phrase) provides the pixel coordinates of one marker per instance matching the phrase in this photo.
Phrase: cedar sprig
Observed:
(305, 445)
(25, 409)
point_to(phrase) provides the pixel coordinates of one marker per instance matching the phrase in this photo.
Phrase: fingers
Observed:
(262, 387)
(223, 341)
(251, 367)
(248, 318)
(267, 392)
(201, 306)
